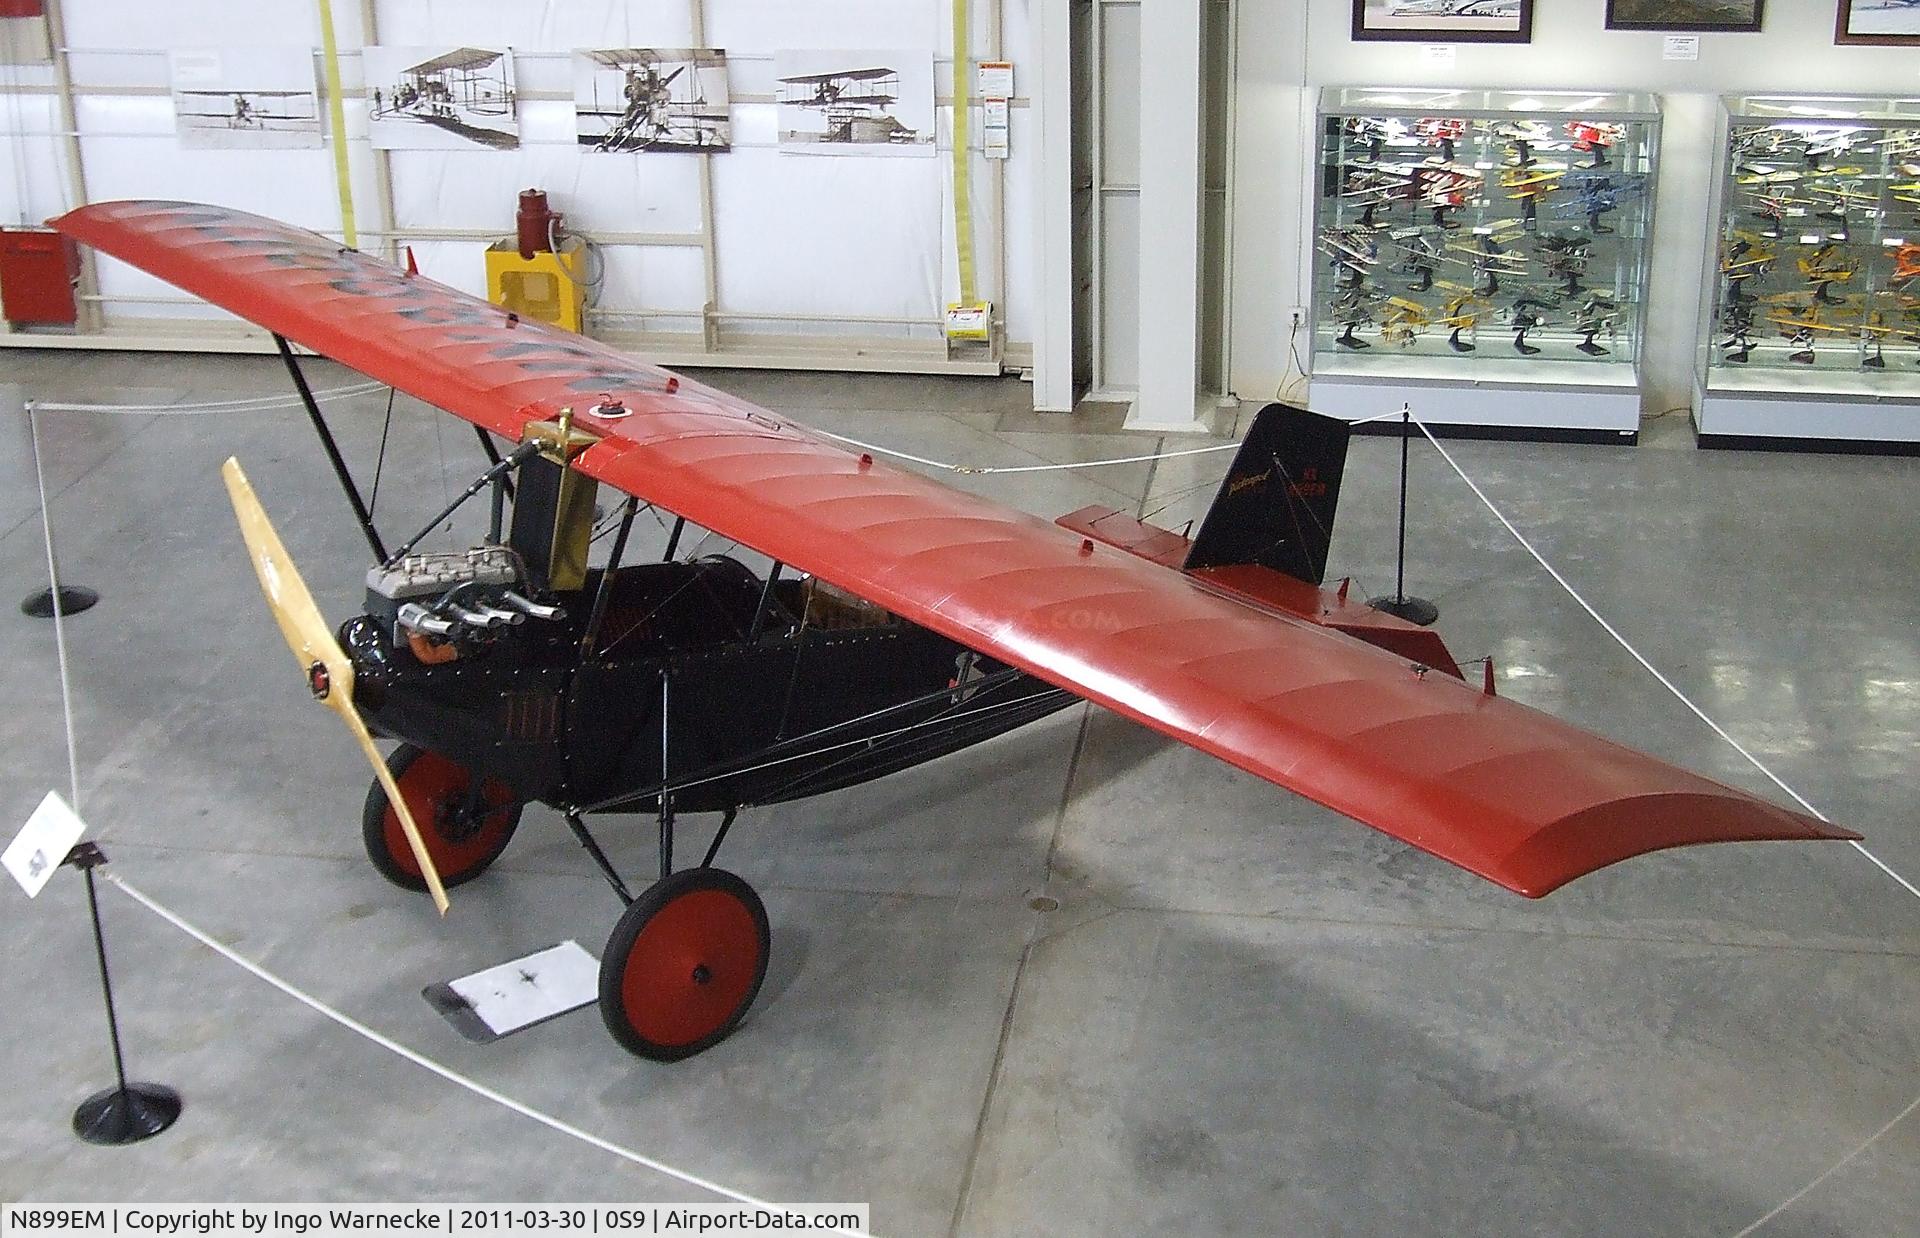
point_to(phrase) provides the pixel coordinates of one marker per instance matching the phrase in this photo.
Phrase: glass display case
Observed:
(1484, 236)
(1813, 292)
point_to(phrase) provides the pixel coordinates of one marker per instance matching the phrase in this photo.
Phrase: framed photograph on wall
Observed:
(652, 99)
(1444, 21)
(1705, 16)
(1885, 23)
(441, 98)
(255, 98)
(854, 102)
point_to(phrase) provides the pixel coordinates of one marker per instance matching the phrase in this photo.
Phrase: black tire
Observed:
(436, 790)
(682, 987)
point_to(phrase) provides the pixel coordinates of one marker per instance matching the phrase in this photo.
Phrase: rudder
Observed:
(1276, 504)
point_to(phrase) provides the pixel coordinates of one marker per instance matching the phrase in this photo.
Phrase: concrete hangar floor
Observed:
(1245, 1015)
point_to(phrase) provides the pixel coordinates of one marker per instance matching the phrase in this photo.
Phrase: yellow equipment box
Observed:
(547, 286)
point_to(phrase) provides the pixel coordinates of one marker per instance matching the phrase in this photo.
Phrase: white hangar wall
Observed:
(1288, 49)
(849, 260)
(821, 260)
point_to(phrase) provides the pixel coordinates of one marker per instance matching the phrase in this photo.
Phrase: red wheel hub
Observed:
(436, 792)
(691, 968)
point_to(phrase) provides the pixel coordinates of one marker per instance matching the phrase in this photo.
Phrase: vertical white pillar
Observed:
(1051, 96)
(1170, 100)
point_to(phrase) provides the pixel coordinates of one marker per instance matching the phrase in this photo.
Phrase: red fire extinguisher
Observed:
(535, 223)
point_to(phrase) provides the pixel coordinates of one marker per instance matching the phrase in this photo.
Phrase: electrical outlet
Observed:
(1296, 318)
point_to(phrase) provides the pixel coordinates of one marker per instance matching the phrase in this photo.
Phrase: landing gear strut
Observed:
(687, 956)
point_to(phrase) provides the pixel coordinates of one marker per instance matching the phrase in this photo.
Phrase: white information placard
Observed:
(996, 79)
(42, 843)
(517, 994)
(1682, 47)
(1438, 55)
(994, 128)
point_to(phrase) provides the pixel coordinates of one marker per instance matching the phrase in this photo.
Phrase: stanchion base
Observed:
(73, 600)
(1413, 610)
(112, 1116)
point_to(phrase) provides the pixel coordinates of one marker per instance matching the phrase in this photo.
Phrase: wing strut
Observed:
(493, 454)
(360, 512)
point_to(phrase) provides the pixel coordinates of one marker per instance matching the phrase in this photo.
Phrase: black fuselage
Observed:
(692, 684)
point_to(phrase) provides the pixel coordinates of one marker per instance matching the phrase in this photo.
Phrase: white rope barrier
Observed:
(1833, 1169)
(1641, 658)
(1755, 761)
(344, 1020)
(1019, 468)
(978, 469)
(59, 611)
(428, 1064)
(637, 1158)
(252, 404)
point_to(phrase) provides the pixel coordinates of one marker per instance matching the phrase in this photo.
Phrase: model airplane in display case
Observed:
(901, 620)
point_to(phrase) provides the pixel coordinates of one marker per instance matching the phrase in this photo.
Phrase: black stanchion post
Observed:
(126, 1112)
(72, 599)
(1412, 609)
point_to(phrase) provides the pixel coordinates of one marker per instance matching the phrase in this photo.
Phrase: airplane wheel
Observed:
(683, 964)
(436, 790)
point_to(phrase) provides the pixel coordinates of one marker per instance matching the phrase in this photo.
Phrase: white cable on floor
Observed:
(426, 1063)
(252, 404)
(1833, 1169)
(1639, 657)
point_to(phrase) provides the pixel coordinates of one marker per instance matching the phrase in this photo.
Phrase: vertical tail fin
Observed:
(1275, 507)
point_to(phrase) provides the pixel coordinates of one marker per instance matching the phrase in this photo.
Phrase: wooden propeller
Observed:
(328, 670)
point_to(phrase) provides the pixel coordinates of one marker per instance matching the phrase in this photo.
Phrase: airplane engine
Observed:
(429, 601)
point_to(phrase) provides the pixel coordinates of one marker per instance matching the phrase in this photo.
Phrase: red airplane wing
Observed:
(1504, 791)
